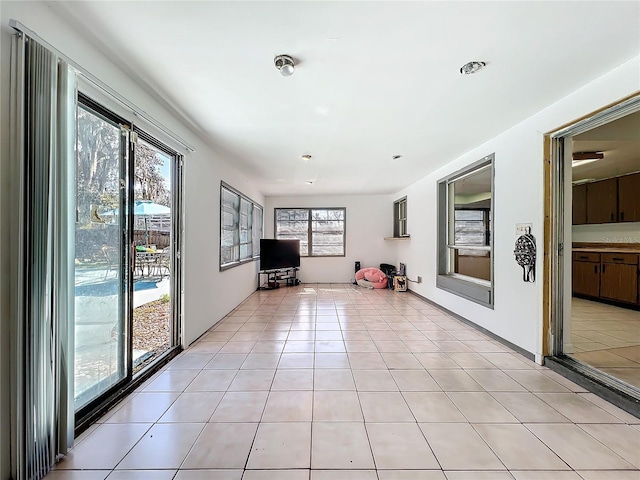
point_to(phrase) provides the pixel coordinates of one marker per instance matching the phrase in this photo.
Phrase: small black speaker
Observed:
(357, 266)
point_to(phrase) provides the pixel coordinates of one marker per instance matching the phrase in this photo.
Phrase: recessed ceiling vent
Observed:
(472, 67)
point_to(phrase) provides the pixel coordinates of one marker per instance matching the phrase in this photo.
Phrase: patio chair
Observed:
(145, 260)
(110, 255)
(164, 264)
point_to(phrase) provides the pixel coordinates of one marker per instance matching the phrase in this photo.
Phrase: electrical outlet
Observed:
(419, 279)
(521, 228)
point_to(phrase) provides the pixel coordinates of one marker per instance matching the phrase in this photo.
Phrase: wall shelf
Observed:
(406, 237)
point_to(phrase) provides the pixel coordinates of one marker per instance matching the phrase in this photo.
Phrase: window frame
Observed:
(473, 289)
(309, 211)
(238, 228)
(245, 225)
(400, 218)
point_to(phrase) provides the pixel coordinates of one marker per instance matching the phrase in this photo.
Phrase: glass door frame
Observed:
(175, 292)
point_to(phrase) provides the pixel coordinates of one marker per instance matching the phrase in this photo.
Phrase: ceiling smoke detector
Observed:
(306, 157)
(472, 67)
(285, 64)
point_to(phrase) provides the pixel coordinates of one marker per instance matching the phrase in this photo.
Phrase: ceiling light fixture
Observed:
(472, 67)
(285, 64)
(306, 157)
(588, 156)
(582, 158)
(579, 163)
(310, 182)
(583, 180)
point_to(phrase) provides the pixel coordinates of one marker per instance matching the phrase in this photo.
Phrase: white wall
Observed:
(369, 218)
(607, 233)
(208, 293)
(519, 198)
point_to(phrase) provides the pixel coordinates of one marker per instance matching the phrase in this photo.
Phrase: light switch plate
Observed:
(521, 228)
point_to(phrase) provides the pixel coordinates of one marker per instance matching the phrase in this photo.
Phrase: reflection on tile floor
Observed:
(607, 337)
(332, 382)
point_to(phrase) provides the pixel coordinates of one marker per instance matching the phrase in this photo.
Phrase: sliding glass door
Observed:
(127, 251)
(100, 279)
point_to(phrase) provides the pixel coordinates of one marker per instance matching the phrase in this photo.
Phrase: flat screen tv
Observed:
(276, 254)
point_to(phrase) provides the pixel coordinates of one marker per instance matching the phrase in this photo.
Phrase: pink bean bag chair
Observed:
(371, 278)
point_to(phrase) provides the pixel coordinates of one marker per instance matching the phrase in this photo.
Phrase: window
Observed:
(240, 228)
(321, 231)
(400, 218)
(465, 221)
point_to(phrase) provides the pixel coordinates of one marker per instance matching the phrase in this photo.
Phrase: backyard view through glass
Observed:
(99, 297)
(152, 272)
(108, 266)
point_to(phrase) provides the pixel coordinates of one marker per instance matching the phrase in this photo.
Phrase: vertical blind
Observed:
(43, 112)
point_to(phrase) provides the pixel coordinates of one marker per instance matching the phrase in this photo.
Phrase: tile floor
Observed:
(332, 382)
(607, 337)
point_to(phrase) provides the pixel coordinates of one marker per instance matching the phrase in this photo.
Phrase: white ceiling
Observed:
(373, 80)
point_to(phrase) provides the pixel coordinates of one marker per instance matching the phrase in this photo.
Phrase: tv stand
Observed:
(274, 277)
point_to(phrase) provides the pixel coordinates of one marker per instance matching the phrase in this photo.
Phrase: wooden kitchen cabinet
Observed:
(629, 198)
(619, 277)
(602, 201)
(586, 278)
(579, 209)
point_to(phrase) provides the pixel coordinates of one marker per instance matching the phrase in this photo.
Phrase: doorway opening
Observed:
(594, 260)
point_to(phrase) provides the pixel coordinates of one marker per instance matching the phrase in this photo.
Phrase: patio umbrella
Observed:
(146, 209)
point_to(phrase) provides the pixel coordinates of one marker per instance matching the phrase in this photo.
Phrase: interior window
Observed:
(465, 212)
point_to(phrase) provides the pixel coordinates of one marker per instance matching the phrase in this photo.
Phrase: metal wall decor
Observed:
(525, 253)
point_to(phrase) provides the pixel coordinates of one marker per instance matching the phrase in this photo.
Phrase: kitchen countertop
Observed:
(607, 250)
